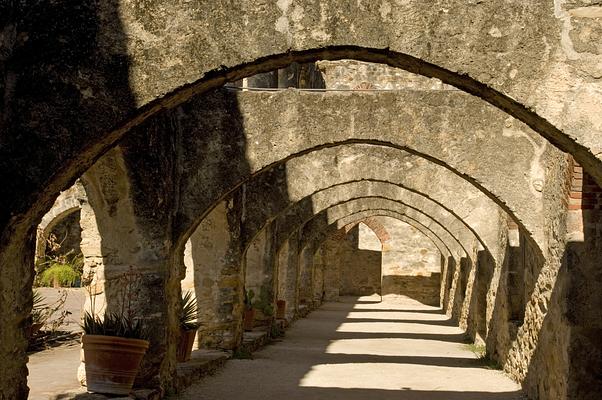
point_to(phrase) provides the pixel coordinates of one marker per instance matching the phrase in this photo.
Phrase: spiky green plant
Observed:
(113, 325)
(189, 313)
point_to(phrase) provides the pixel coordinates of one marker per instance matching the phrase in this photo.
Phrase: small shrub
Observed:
(123, 323)
(63, 274)
(113, 325)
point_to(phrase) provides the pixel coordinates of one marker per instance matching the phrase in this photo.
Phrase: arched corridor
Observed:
(217, 175)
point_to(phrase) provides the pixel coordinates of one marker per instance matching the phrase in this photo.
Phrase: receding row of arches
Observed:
(301, 167)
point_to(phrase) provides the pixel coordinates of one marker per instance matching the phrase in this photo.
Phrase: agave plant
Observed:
(113, 325)
(189, 313)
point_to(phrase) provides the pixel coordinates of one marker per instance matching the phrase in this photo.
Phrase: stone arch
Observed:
(263, 202)
(375, 226)
(338, 212)
(313, 235)
(311, 242)
(473, 67)
(257, 146)
(313, 239)
(481, 69)
(67, 203)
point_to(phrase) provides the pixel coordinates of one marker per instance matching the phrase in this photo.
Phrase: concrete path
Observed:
(53, 371)
(362, 349)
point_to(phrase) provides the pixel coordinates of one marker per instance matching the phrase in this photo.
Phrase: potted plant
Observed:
(114, 345)
(188, 327)
(249, 315)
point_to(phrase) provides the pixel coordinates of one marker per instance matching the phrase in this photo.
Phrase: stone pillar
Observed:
(16, 280)
(259, 270)
(91, 247)
(332, 274)
(130, 250)
(306, 277)
(217, 275)
(288, 261)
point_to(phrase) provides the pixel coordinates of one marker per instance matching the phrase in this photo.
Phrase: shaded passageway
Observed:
(362, 349)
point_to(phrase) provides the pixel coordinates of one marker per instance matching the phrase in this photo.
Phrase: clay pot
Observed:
(280, 309)
(249, 319)
(185, 343)
(112, 363)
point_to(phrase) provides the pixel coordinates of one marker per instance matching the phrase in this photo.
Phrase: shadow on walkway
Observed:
(340, 352)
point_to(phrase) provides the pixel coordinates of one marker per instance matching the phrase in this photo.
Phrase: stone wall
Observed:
(410, 264)
(214, 271)
(359, 268)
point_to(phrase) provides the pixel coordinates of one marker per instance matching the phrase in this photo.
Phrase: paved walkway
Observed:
(54, 371)
(362, 350)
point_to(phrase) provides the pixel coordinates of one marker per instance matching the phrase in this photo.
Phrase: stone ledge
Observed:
(202, 363)
(254, 340)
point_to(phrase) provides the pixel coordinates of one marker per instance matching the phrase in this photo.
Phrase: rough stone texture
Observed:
(359, 268)
(429, 125)
(217, 281)
(73, 80)
(288, 275)
(410, 263)
(345, 172)
(68, 203)
(351, 74)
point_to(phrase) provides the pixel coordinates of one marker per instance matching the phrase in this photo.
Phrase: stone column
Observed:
(306, 277)
(287, 275)
(134, 212)
(332, 274)
(259, 270)
(218, 280)
(16, 280)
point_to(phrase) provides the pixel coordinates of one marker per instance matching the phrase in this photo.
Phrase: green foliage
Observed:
(189, 313)
(64, 274)
(113, 325)
(66, 269)
(264, 303)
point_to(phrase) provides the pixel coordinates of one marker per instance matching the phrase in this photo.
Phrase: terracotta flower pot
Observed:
(249, 319)
(185, 343)
(112, 363)
(280, 309)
